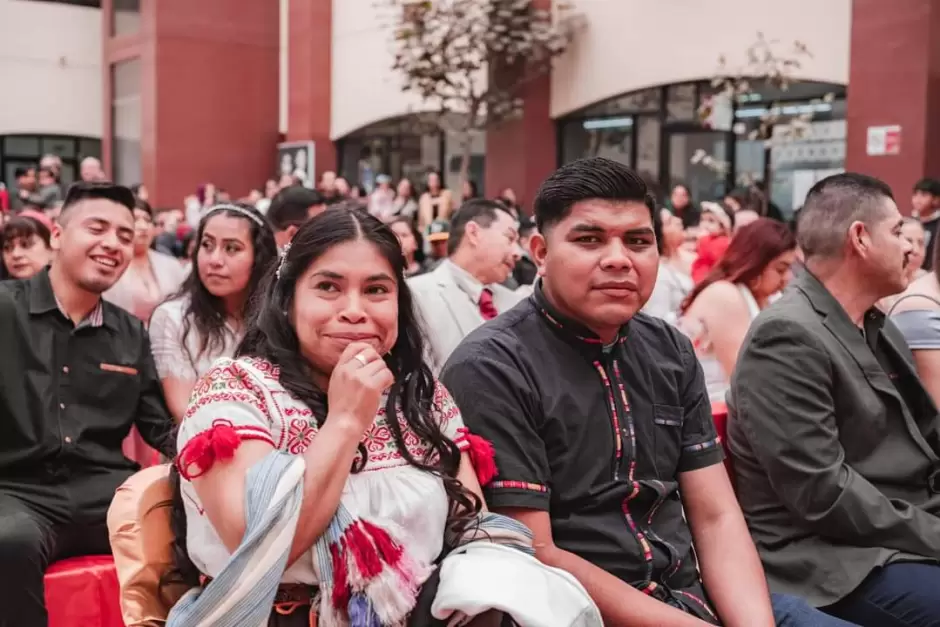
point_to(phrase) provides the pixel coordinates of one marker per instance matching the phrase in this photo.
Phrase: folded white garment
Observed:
(483, 576)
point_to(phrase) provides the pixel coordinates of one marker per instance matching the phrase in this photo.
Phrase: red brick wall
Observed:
(893, 79)
(521, 153)
(310, 78)
(209, 94)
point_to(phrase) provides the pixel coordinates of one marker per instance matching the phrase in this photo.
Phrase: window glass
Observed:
(125, 17)
(610, 137)
(704, 182)
(680, 103)
(62, 146)
(21, 146)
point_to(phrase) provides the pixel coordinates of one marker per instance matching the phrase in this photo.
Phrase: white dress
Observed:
(171, 351)
(409, 503)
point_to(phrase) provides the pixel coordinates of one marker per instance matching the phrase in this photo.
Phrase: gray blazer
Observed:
(447, 312)
(837, 474)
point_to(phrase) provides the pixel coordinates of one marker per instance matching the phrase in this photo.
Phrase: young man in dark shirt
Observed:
(605, 445)
(76, 374)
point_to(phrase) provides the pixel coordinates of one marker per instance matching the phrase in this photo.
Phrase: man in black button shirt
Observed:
(76, 373)
(601, 422)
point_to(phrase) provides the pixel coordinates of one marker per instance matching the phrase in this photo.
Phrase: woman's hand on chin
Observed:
(357, 384)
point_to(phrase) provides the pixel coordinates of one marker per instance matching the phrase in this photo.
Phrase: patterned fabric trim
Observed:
(701, 446)
(587, 340)
(518, 485)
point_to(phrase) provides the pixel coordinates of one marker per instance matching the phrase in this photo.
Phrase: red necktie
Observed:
(487, 308)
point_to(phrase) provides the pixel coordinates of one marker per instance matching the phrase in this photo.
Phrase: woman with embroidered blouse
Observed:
(324, 470)
(204, 321)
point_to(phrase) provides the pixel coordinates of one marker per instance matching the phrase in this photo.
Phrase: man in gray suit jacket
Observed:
(464, 291)
(836, 443)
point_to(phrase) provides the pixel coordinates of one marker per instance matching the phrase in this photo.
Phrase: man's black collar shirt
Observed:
(596, 435)
(69, 394)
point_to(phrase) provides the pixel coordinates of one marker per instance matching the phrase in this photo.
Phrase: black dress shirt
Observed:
(70, 394)
(596, 436)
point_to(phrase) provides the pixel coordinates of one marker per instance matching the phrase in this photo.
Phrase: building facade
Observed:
(50, 67)
(181, 93)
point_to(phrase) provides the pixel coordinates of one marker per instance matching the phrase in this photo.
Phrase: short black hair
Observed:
(23, 170)
(291, 205)
(526, 225)
(479, 210)
(91, 190)
(928, 185)
(594, 178)
(144, 206)
(832, 205)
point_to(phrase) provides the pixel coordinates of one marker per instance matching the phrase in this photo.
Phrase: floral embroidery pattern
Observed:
(292, 425)
(299, 436)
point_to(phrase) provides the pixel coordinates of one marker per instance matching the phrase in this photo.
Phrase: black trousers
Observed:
(47, 517)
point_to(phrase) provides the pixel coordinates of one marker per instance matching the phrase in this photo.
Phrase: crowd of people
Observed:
(380, 409)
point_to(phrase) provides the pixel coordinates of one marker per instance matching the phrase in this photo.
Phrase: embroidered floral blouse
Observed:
(407, 501)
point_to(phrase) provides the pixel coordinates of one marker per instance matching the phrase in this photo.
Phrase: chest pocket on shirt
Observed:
(112, 386)
(667, 422)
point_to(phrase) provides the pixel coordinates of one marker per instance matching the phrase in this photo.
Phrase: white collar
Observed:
(467, 283)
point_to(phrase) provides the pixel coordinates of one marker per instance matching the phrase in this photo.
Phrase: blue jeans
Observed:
(790, 611)
(898, 595)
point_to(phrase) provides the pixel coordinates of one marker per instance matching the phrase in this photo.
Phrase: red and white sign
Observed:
(884, 140)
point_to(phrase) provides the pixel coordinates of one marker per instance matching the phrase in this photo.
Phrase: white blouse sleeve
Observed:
(448, 416)
(166, 343)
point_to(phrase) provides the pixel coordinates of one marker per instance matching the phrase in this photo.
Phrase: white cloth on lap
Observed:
(483, 576)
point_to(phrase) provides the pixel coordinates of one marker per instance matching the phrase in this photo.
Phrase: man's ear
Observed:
(55, 237)
(471, 233)
(859, 239)
(538, 248)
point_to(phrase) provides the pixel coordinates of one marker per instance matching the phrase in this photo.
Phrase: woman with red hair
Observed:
(719, 310)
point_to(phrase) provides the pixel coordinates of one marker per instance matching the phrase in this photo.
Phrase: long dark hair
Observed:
(751, 250)
(271, 336)
(205, 312)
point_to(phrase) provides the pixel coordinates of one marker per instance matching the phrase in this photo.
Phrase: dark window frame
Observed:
(34, 159)
(671, 127)
(91, 4)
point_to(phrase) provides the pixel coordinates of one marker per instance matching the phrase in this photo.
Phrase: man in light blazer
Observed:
(464, 290)
(835, 441)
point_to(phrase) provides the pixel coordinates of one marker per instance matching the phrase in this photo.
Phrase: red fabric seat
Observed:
(83, 592)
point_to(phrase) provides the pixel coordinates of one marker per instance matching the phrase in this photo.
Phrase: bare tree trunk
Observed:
(466, 145)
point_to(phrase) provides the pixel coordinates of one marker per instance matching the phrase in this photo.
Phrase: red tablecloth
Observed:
(83, 592)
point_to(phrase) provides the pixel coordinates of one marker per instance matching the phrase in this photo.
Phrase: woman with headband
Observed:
(204, 320)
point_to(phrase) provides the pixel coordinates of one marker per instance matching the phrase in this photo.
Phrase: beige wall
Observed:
(365, 89)
(632, 44)
(50, 67)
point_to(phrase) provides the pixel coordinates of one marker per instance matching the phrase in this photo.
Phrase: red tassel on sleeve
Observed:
(218, 443)
(482, 456)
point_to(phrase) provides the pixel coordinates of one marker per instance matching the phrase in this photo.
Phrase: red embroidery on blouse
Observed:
(299, 436)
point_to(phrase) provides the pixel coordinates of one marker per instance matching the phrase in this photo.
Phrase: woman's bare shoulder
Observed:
(922, 293)
(721, 298)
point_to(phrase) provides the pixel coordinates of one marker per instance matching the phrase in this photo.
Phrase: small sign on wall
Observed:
(884, 140)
